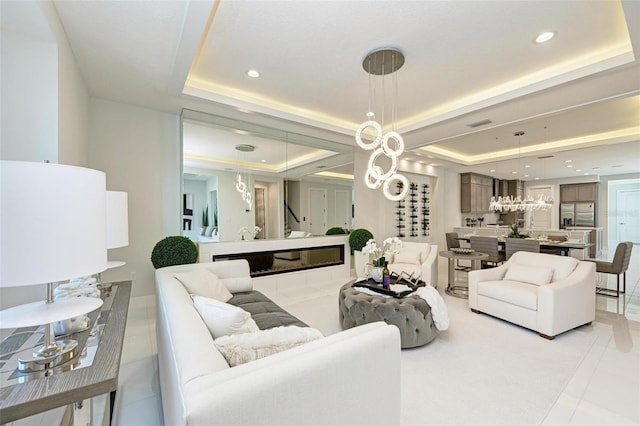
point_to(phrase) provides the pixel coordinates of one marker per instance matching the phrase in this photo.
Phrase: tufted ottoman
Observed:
(412, 315)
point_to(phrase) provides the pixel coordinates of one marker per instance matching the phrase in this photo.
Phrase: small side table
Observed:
(456, 290)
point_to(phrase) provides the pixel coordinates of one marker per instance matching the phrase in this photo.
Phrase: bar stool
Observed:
(617, 266)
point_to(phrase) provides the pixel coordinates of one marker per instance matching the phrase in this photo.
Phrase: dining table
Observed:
(564, 247)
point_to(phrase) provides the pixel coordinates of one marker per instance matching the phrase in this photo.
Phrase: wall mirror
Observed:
(239, 175)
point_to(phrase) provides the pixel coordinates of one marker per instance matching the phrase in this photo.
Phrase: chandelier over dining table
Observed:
(509, 203)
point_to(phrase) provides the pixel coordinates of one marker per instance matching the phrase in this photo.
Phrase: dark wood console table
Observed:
(39, 392)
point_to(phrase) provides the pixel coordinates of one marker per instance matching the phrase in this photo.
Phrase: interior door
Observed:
(259, 211)
(539, 219)
(343, 209)
(628, 223)
(317, 211)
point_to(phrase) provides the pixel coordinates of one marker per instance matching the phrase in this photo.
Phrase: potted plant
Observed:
(174, 250)
(205, 216)
(514, 232)
(336, 230)
(358, 238)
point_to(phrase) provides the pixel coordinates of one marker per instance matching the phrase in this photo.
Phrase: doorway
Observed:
(628, 225)
(539, 219)
(259, 203)
(343, 209)
(317, 211)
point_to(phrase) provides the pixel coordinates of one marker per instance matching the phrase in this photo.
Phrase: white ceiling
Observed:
(466, 61)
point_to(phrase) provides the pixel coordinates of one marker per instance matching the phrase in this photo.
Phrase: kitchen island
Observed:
(576, 234)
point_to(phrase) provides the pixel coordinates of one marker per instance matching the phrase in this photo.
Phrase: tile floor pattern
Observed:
(604, 389)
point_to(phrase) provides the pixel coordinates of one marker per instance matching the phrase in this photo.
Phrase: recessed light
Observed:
(263, 161)
(545, 36)
(568, 161)
(569, 166)
(370, 114)
(253, 73)
(526, 166)
(578, 170)
(586, 174)
(526, 175)
(595, 168)
(537, 178)
(492, 170)
(514, 173)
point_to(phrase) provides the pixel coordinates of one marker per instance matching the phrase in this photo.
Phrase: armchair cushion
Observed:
(529, 274)
(409, 255)
(513, 292)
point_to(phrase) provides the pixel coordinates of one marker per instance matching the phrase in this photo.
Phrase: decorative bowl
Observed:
(462, 250)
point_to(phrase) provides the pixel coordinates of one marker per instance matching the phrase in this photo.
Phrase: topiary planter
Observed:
(174, 250)
(358, 238)
(336, 230)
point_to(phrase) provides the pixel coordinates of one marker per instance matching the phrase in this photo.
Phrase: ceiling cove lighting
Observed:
(545, 36)
(381, 62)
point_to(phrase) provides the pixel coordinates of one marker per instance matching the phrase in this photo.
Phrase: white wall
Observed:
(139, 149)
(29, 84)
(377, 214)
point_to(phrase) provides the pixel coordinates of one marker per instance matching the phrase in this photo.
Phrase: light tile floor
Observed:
(603, 390)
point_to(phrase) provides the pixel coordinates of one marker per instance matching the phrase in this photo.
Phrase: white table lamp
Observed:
(61, 212)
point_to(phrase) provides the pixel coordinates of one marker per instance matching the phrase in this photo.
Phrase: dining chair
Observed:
(617, 266)
(488, 245)
(513, 245)
(453, 242)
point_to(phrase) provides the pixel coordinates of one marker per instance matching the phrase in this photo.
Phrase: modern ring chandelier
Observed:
(510, 203)
(381, 62)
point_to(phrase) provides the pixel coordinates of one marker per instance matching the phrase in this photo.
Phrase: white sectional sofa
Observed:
(543, 292)
(352, 377)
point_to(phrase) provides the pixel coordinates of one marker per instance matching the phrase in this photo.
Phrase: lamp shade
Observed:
(117, 219)
(52, 223)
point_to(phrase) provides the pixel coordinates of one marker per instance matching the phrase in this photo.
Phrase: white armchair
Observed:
(421, 259)
(543, 292)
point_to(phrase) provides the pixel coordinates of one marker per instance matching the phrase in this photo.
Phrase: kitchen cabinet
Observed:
(579, 192)
(475, 192)
(514, 188)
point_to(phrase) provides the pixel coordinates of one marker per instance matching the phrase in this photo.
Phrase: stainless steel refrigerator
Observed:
(577, 214)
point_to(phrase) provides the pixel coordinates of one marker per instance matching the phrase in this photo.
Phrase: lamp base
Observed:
(30, 361)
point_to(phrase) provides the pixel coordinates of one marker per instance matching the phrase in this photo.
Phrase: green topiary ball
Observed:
(174, 250)
(358, 238)
(336, 230)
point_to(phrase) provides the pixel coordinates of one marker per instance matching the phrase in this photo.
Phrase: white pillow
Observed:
(203, 282)
(241, 348)
(223, 319)
(529, 274)
(407, 255)
(208, 231)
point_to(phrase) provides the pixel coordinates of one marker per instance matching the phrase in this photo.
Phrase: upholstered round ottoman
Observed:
(412, 315)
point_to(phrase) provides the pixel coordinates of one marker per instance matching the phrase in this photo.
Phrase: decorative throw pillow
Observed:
(203, 282)
(408, 255)
(223, 319)
(242, 348)
(529, 274)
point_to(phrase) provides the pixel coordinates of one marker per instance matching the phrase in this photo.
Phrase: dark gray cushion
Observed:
(264, 311)
(412, 315)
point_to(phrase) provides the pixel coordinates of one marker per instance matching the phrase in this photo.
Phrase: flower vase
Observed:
(376, 273)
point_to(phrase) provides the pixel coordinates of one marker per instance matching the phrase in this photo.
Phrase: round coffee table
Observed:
(459, 290)
(412, 314)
